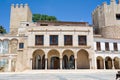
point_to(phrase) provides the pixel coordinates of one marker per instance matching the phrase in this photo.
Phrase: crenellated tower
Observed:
(106, 18)
(19, 13)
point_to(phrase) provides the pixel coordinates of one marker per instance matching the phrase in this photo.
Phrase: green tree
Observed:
(43, 17)
(2, 30)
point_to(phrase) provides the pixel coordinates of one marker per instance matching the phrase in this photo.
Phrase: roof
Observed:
(61, 23)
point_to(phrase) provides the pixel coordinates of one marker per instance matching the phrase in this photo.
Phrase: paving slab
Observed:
(60, 75)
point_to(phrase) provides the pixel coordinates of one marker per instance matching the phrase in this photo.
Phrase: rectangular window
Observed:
(118, 16)
(107, 46)
(68, 40)
(98, 46)
(53, 39)
(39, 39)
(21, 45)
(43, 24)
(115, 46)
(82, 40)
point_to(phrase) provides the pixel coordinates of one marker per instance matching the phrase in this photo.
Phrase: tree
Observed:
(2, 30)
(43, 17)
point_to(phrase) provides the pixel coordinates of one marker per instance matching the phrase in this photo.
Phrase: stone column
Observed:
(104, 63)
(113, 64)
(60, 63)
(31, 63)
(9, 64)
(119, 63)
(95, 63)
(90, 60)
(46, 63)
(75, 63)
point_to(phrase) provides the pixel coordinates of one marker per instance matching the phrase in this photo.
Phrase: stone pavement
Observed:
(60, 75)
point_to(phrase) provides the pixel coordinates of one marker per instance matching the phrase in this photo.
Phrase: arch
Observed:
(65, 62)
(6, 39)
(13, 45)
(38, 59)
(68, 53)
(53, 59)
(100, 62)
(68, 60)
(108, 63)
(83, 60)
(14, 39)
(116, 63)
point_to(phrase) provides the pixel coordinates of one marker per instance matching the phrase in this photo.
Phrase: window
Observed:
(115, 46)
(68, 40)
(82, 40)
(118, 16)
(27, 24)
(98, 46)
(53, 39)
(43, 24)
(21, 45)
(39, 40)
(107, 46)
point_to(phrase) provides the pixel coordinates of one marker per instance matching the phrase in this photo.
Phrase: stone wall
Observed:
(111, 32)
(19, 13)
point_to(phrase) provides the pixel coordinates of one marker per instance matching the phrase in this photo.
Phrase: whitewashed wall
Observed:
(110, 41)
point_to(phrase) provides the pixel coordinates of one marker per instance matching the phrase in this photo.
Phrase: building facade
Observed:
(58, 45)
(107, 53)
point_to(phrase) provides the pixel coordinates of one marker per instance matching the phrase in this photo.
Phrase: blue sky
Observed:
(64, 10)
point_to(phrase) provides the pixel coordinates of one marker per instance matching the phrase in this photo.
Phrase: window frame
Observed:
(68, 42)
(38, 43)
(107, 46)
(117, 16)
(21, 45)
(115, 46)
(56, 41)
(98, 46)
(79, 41)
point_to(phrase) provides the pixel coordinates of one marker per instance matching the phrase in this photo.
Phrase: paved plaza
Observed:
(60, 75)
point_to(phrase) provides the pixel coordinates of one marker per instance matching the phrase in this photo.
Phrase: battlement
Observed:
(19, 12)
(106, 16)
(19, 5)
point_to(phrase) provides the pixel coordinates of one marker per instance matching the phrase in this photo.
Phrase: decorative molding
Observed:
(59, 30)
(82, 47)
(7, 56)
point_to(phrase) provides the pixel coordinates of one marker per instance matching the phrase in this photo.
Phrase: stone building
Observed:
(60, 45)
(106, 21)
(106, 18)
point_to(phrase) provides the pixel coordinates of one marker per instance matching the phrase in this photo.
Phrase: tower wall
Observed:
(19, 13)
(107, 19)
(111, 32)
